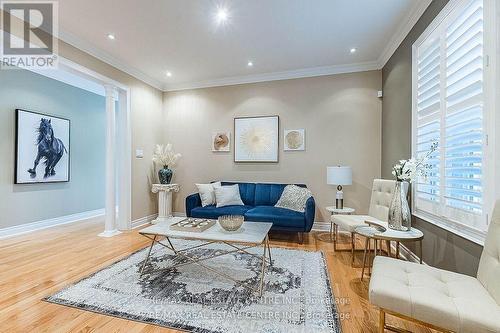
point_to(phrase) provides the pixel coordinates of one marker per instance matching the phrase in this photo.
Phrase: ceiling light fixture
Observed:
(222, 15)
(169, 74)
(111, 36)
(353, 50)
(250, 64)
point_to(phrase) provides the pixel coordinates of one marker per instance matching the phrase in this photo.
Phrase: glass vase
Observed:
(399, 210)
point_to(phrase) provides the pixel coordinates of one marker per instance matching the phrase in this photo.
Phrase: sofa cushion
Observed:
(280, 217)
(294, 198)
(269, 194)
(207, 193)
(227, 196)
(448, 300)
(212, 212)
(247, 192)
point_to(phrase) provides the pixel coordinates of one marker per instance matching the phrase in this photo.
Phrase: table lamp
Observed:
(340, 176)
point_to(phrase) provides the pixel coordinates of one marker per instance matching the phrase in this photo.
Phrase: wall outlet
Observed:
(139, 153)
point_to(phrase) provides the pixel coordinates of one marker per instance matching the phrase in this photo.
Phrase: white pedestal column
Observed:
(110, 204)
(164, 200)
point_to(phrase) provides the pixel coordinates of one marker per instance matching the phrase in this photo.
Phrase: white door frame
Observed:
(122, 171)
(122, 175)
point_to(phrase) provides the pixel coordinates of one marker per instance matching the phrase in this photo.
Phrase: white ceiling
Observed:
(283, 38)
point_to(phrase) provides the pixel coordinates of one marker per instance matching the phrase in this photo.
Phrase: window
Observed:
(450, 106)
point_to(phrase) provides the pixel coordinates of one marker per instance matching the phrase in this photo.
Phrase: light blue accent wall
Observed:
(20, 204)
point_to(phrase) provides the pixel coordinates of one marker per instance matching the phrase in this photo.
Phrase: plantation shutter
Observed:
(464, 111)
(429, 121)
(449, 110)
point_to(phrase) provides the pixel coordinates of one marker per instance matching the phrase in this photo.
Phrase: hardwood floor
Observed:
(36, 265)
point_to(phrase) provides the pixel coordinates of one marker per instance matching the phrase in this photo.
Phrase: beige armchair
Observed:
(439, 299)
(382, 193)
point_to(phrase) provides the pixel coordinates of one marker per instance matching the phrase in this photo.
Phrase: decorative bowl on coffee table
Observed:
(231, 222)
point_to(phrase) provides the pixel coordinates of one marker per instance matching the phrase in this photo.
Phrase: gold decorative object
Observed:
(294, 140)
(231, 222)
(192, 225)
(221, 141)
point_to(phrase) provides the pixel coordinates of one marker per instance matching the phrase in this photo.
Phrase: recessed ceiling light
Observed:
(250, 64)
(353, 50)
(169, 74)
(222, 15)
(111, 36)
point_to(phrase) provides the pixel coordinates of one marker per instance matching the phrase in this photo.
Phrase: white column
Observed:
(164, 200)
(124, 161)
(110, 205)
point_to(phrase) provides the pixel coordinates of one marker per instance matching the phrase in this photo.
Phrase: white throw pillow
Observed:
(228, 196)
(294, 197)
(207, 193)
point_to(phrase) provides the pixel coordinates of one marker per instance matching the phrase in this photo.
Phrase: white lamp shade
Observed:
(339, 175)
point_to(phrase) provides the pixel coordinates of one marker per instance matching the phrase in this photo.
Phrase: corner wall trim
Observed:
(49, 223)
(402, 31)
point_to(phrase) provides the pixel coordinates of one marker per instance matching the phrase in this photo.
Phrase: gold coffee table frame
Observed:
(237, 247)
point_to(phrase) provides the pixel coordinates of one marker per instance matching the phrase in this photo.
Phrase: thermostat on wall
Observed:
(380, 94)
(139, 153)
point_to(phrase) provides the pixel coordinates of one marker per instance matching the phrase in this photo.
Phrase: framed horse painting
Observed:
(42, 148)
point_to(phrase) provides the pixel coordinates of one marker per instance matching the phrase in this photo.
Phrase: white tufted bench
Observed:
(441, 299)
(382, 193)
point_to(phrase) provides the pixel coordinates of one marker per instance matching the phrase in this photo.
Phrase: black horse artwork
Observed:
(50, 148)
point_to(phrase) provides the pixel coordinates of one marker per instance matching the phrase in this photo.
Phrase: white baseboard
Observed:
(147, 219)
(109, 233)
(49, 223)
(143, 220)
(406, 254)
(321, 226)
(67, 219)
(179, 214)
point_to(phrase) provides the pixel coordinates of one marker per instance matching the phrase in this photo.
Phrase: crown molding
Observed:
(109, 59)
(275, 76)
(402, 31)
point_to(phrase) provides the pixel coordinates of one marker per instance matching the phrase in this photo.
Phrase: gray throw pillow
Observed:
(228, 196)
(294, 197)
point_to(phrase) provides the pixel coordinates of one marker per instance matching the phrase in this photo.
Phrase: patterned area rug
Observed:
(297, 295)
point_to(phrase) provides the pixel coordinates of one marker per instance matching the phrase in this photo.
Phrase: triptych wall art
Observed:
(42, 148)
(256, 139)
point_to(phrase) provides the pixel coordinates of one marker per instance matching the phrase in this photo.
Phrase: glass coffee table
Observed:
(379, 233)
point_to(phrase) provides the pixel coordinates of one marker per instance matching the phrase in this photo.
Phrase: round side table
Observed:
(380, 233)
(334, 228)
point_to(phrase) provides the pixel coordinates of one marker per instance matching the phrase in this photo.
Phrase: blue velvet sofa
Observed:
(259, 200)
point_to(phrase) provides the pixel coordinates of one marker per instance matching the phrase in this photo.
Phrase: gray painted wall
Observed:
(22, 204)
(440, 248)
